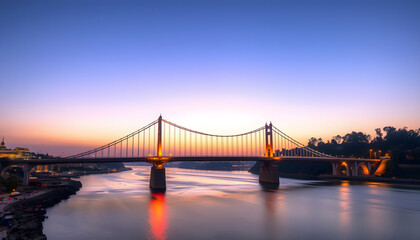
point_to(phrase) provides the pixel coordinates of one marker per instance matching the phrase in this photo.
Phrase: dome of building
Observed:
(2, 145)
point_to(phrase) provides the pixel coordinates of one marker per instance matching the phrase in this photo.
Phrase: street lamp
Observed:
(370, 153)
(379, 153)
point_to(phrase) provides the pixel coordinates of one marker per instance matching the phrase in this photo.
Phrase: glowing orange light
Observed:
(345, 183)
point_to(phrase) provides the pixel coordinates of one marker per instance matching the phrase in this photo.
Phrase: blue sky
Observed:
(82, 73)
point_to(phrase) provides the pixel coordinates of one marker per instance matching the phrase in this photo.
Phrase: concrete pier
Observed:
(157, 178)
(25, 177)
(269, 174)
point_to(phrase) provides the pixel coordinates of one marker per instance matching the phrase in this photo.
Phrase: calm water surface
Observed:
(221, 205)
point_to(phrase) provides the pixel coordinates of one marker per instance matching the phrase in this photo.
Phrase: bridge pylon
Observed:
(159, 142)
(269, 140)
(268, 171)
(157, 172)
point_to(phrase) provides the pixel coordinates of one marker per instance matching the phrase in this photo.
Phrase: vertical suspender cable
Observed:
(148, 147)
(242, 145)
(251, 148)
(246, 145)
(163, 139)
(217, 144)
(169, 139)
(173, 152)
(211, 146)
(227, 146)
(236, 146)
(222, 145)
(154, 141)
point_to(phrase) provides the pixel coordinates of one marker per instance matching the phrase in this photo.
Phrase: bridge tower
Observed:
(157, 172)
(159, 143)
(269, 140)
(269, 174)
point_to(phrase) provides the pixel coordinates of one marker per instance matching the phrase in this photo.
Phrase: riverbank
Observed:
(26, 215)
(23, 215)
(374, 179)
(351, 178)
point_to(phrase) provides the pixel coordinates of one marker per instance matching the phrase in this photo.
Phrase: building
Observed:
(17, 153)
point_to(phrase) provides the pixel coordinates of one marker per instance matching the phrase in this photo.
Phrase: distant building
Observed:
(17, 153)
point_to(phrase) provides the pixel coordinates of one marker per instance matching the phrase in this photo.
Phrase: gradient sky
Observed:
(78, 74)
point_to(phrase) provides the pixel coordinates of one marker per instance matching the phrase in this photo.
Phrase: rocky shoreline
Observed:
(28, 214)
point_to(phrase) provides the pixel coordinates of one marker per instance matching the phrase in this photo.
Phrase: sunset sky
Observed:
(78, 74)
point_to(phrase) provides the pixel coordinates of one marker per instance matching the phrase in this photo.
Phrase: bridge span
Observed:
(161, 142)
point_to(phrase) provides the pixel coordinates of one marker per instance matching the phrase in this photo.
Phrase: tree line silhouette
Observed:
(402, 145)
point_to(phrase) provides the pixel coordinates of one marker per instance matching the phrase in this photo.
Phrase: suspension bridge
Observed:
(162, 141)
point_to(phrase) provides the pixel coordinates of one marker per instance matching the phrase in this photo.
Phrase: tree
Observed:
(379, 132)
(356, 137)
(313, 142)
(338, 139)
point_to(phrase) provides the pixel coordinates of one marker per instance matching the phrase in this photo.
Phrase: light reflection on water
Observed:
(157, 216)
(220, 205)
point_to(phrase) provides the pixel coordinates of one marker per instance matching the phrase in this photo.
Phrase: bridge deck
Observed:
(188, 159)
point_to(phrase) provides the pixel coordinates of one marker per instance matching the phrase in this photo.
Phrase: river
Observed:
(232, 205)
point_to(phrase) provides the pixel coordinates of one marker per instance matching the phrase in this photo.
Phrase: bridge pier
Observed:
(26, 173)
(335, 168)
(26, 176)
(269, 174)
(157, 178)
(355, 169)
